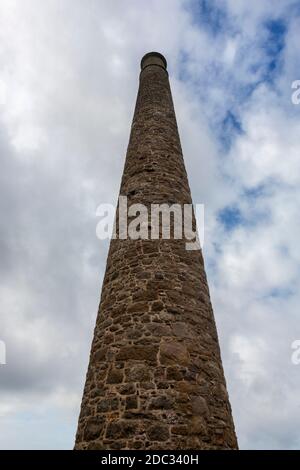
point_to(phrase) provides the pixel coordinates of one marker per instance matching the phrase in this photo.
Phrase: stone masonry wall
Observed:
(155, 378)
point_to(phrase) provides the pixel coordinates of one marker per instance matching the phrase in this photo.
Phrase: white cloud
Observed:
(69, 77)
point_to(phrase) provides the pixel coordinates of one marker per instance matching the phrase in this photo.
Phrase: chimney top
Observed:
(153, 58)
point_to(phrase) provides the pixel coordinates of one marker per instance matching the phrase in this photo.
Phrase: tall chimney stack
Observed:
(155, 378)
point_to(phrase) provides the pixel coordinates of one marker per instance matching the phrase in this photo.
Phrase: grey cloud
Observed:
(69, 74)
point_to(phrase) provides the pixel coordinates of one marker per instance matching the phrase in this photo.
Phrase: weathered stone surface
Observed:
(161, 403)
(159, 329)
(115, 376)
(157, 306)
(158, 432)
(127, 389)
(131, 403)
(155, 377)
(199, 406)
(138, 373)
(198, 426)
(139, 353)
(107, 404)
(173, 352)
(179, 430)
(174, 373)
(120, 429)
(94, 428)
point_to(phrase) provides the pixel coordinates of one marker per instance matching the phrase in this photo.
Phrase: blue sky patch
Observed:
(230, 128)
(280, 292)
(273, 46)
(255, 192)
(209, 15)
(230, 217)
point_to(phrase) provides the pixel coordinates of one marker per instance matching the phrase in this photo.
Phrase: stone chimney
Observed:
(155, 378)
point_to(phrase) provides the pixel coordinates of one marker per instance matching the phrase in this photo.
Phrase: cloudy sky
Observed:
(68, 82)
